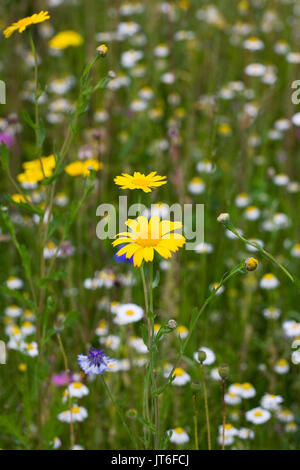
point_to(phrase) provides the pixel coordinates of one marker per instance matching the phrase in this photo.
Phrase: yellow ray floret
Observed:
(140, 181)
(22, 24)
(146, 237)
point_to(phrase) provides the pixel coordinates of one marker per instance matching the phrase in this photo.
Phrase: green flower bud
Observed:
(201, 356)
(223, 371)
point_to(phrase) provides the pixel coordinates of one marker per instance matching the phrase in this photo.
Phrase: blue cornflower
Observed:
(122, 258)
(95, 363)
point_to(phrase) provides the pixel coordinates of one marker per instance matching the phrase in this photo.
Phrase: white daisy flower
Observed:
(255, 70)
(246, 390)
(282, 366)
(181, 377)
(13, 311)
(31, 349)
(271, 402)
(252, 213)
(271, 313)
(258, 415)
(138, 344)
(285, 416)
(291, 328)
(232, 398)
(110, 341)
(128, 313)
(27, 328)
(210, 356)
(196, 186)
(204, 248)
(130, 58)
(78, 413)
(77, 389)
(179, 436)
(253, 44)
(269, 281)
(14, 283)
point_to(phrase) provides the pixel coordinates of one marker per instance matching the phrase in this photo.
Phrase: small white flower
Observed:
(242, 200)
(179, 436)
(31, 349)
(271, 313)
(128, 313)
(78, 413)
(255, 70)
(111, 341)
(282, 366)
(252, 213)
(258, 415)
(14, 283)
(245, 433)
(181, 377)
(285, 416)
(130, 58)
(210, 356)
(296, 119)
(269, 281)
(232, 398)
(77, 389)
(27, 328)
(291, 328)
(246, 390)
(138, 344)
(13, 311)
(253, 44)
(204, 248)
(271, 402)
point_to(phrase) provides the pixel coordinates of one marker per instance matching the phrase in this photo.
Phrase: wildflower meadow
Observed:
(149, 232)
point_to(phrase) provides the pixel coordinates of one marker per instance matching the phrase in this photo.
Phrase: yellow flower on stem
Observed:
(140, 181)
(66, 39)
(82, 168)
(146, 237)
(22, 24)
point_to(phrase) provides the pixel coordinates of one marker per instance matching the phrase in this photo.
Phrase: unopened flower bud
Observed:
(112, 74)
(201, 356)
(132, 413)
(223, 371)
(102, 50)
(223, 217)
(172, 324)
(251, 264)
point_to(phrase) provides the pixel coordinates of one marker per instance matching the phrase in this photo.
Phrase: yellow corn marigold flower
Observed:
(22, 367)
(22, 24)
(146, 237)
(140, 181)
(82, 168)
(66, 39)
(18, 198)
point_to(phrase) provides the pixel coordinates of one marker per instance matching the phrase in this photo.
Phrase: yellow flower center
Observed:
(77, 385)
(179, 430)
(129, 312)
(75, 409)
(258, 413)
(178, 372)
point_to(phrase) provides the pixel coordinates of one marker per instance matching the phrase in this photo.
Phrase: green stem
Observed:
(67, 370)
(238, 269)
(223, 413)
(264, 253)
(120, 413)
(206, 407)
(195, 421)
